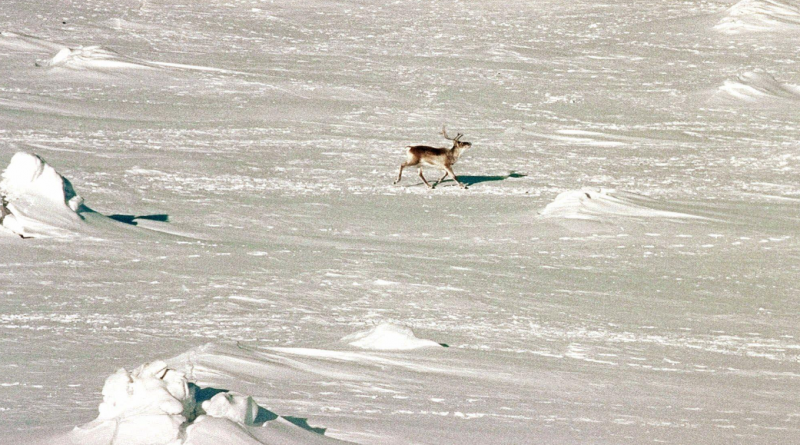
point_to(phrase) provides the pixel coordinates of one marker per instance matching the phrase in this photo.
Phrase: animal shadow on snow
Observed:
(264, 415)
(131, 219)
(470, 180)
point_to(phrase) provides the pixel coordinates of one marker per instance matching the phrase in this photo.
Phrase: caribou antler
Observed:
(444, 133)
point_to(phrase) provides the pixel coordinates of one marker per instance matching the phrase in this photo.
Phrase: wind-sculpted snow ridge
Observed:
(157, 405)
(758, 87)
(24, 43)
(601, 205)
(37, 201)
(89, 58)
(388, 336)
(78, 58)
(760, 16)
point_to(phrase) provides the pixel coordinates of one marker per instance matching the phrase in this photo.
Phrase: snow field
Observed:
(255, 157)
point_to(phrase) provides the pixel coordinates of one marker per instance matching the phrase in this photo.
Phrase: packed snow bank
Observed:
(760, 16)
(88, 58)
(149, 405)
(387, 336)
(602, 204)
(754, 87)
(36, 200)
(157, 405)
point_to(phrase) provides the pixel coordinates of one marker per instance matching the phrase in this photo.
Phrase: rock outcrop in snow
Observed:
(602, 204)
(760, 16)
(36, 200)
(388, 336)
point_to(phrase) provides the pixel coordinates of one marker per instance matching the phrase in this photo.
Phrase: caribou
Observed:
(441, 158)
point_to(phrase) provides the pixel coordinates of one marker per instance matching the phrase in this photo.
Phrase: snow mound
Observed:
(601, 204)
(388, 336)
(89, 58)
(755, 87)
(760, 16)
(35, 200)
(149, 405)
(232, 406)
(157, 405)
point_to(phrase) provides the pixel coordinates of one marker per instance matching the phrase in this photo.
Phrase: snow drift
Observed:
(760, 16)
(601, 205)
(24, 43)
(157, 405)
(37, 200)
(755, 87)
(388, 336)
(88, 58)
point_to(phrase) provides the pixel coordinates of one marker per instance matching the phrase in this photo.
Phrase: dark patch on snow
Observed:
(303, 423)
(203, 394)
(131, 219)
(3, 209)
(470, 180)
(264, 415)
